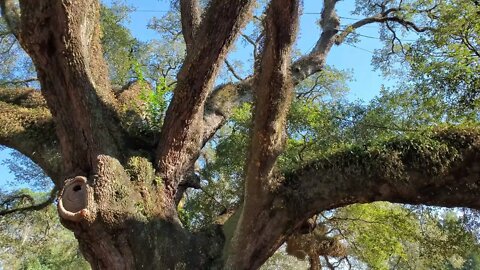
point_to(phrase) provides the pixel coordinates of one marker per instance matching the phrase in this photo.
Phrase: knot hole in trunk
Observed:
(73, 201)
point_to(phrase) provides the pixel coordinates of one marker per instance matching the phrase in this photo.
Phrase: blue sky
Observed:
(366, 82)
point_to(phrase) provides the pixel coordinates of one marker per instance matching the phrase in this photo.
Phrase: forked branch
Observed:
(181, 136)
(383, 17)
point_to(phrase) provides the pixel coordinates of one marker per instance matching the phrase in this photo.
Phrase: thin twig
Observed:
(232, 70)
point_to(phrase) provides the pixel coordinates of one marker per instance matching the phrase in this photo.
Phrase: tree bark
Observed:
(119, 198)
(273, 85)
(27, 126)
(182, 130)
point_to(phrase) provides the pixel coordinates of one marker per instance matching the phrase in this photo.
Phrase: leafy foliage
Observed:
(446, 63)
(37, 240)
(386, 236)
(120, 48)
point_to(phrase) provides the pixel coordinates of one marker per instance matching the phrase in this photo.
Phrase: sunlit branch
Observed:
(190, 14)
(232, 70)
(382, 17)
(195, 80)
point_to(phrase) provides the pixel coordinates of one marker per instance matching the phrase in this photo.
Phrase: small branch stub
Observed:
(75, 199)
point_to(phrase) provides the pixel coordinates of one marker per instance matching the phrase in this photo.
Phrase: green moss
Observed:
(157, 181)
(430, 154)
(140, 169)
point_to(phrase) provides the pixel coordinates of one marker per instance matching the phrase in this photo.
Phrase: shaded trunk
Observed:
(122, 223)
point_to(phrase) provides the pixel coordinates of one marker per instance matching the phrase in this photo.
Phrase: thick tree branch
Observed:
(35, 207)
(315, 60)
(12, 16)
(181, 136)
(27, 126)
(190, 13)
(441, 170)
(273, 94)
(220, 105)
(218, 109)
(63, 41)
(224, 98)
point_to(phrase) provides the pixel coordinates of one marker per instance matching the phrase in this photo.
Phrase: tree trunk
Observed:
(118, 197)
(127, 226)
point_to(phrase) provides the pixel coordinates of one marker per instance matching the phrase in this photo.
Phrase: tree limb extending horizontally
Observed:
(33, 207)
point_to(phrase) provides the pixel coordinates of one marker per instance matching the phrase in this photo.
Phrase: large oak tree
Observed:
(119, 190)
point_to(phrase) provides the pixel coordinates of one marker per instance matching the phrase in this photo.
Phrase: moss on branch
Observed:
(437, 168)
(27, 126)
(24, 97)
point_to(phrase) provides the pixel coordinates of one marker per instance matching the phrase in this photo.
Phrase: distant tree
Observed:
(36, 240)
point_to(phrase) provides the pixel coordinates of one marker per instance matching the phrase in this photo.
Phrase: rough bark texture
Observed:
(182, 130)
(63, 42)
(27, 126)
(273, 92)
(118, 188)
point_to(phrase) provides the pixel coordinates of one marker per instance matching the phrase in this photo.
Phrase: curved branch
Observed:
(224, 98)
(273, 94)
(314, 61)
(440, 170)
(27, 126)
(379, 18)
(220, 104)
(34, 207)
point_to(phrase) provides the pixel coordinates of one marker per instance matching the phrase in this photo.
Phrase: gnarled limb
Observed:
(315, 60)
(63, 42)
(442, 170)
(181, 135)
(27, 126)
(224, 98)
(273, 93)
